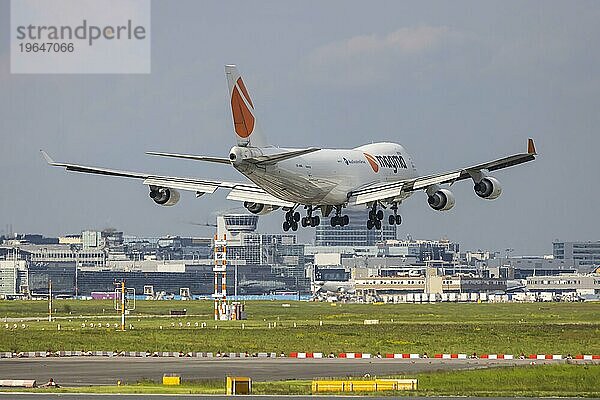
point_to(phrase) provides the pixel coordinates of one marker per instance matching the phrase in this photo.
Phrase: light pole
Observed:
(237, 259)
(49, 300)
(76, 250)
(76, 273)
(509, 264)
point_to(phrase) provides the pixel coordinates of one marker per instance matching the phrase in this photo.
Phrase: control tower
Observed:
(234, 225)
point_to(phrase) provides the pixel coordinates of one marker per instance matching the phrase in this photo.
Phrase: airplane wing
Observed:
(238, 191)
(392, 191)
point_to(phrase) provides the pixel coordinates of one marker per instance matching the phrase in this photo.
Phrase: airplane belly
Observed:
(295, 188)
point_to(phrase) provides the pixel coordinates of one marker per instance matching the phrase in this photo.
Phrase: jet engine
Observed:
(442, 200)
(259, 208)
(488, 188)
(164, 196)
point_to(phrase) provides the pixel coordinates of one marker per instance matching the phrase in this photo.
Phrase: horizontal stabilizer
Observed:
(219, 160)
(275, 158)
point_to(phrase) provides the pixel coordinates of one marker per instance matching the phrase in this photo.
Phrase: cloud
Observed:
(367, 59)
(406, 40)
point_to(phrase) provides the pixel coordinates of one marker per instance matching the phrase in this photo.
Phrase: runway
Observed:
(85, 371)
(33, 396)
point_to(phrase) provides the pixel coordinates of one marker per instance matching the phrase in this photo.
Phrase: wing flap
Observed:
(256, 195)
(444, 178)
(183, 184)
(376, 192)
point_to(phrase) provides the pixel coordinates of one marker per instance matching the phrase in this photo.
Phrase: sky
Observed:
(456, 83)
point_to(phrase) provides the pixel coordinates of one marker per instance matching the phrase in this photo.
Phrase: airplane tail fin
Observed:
(242, 109)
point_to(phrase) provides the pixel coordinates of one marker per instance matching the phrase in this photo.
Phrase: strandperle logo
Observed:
(84, 31)
(80, 36)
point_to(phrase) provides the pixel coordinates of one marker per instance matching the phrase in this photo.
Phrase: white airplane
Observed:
(376, 176)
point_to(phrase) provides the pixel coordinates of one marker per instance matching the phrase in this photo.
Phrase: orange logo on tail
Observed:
(243, 120)
(372, 162)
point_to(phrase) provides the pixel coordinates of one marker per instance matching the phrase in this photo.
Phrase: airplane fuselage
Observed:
(326, 176)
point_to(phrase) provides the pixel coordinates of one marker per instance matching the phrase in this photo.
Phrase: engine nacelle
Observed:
(488, 188)
(442, 200)
(164, 196)
(259, 208)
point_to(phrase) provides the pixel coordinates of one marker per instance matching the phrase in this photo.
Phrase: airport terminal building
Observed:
(94, 261)
(351, 264)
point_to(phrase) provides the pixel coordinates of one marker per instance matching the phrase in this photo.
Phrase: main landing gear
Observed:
(291, 220)
(339, 220)
(309, 220)
(395, 219)
(375, 217)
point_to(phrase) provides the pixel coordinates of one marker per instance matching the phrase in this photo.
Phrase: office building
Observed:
(13, 278)
(523, 267)
(580, 284)
(355, 233)
(586, 253)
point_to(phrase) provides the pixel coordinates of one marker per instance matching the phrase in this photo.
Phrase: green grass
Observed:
(553, 328)
(535, 381)
(531, 381)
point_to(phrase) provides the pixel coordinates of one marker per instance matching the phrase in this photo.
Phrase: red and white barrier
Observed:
(354, 355)
(497, 356)
(302, 355)
(402, 355)
(587, 357)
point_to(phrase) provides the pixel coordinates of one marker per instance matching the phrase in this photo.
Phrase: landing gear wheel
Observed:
(345, 220)
(304, 222)
(391, 220)
(286, 226)
(294, 226)
(398, 219)
(372, 215)
(296, 216)
(379, 215)
(378, 224)
(334, 221)
(289, 216)
(369, 224)
(315, 221)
